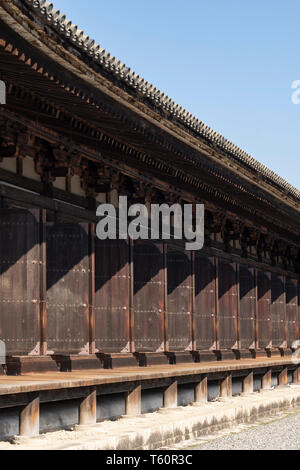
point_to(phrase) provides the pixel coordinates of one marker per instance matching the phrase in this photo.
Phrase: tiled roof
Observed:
(88, 46)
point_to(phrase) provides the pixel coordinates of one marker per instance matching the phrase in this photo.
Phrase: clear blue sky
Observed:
(229, 62)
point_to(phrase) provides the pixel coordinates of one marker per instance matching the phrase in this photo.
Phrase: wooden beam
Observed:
(283, 377)
(248, 383)
(266, 382)
(296, 375)
(88, 409)
(170, 395)
(29, 418)
(133, 402)
(200, 392)
(226, 386)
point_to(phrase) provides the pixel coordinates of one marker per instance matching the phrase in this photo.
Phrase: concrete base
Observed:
(169, 427)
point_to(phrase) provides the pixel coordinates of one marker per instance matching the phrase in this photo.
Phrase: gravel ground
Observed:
(280, 434)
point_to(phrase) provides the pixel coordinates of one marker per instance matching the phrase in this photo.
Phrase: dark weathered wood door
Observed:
(112, 276)
(278, 311)
(179, 299)
(227, 331)
(148, 304)
(19, 281)
(247, 307)
(291, 310)
(264, 323)
(67, 329)
(205, 303)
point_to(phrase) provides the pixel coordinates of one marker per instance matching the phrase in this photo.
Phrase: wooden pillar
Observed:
(296, 375)
(43, 283)
(238, 305)
(92, 274)
(193, 301)
(248, 383)
(131, 296)
(267, 380)
(285, 335)
(19, 169)
(283, 377)
(217, 322)
(29, 419)
(226, 386)
(170, 396)
(69, 180)
(200, 392)
(88, 409)
(256, 309)
(133, 402)
(166, 331)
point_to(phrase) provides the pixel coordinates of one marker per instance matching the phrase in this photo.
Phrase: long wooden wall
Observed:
(64, 291)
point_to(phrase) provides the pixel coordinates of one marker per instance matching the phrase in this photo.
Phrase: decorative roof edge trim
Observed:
(88, 46)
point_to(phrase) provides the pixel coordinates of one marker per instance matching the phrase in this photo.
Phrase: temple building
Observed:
(80, 128)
